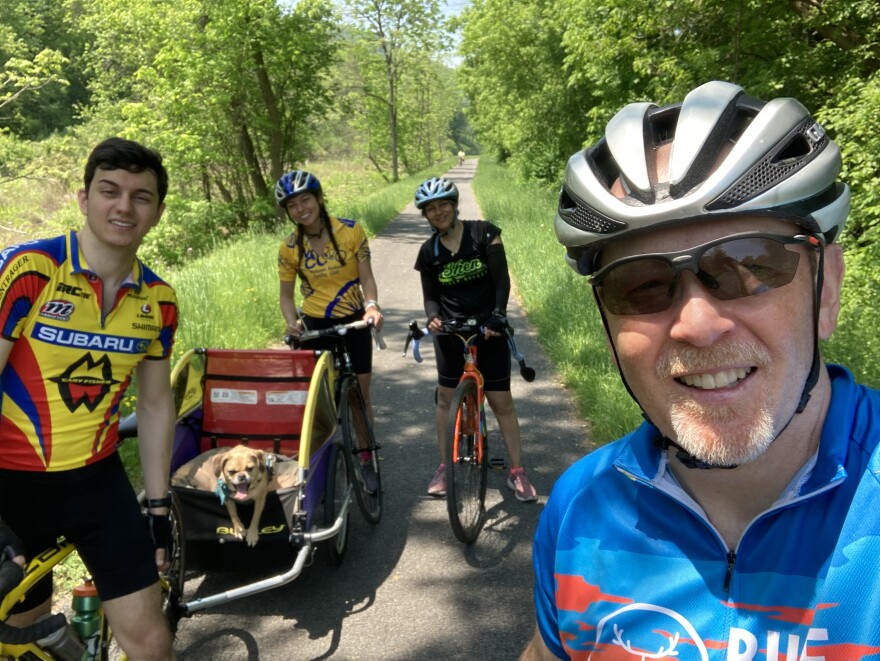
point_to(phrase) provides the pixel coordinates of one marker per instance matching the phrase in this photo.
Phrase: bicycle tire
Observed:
(174, 578)
(467, 463)
(358, 438)
(335, 487)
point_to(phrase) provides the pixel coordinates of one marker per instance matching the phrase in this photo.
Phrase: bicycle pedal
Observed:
(497, 463)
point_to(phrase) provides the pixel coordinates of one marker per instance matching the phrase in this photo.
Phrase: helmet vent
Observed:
(580, 216)
(776, 166)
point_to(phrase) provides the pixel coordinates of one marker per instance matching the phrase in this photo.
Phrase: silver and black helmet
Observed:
(731, 154)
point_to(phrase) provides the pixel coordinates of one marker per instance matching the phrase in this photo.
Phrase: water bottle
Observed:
(63, 643)
(86, 619)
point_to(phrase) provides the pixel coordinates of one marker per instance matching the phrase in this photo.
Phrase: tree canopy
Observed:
(232, 92)
(544, 76)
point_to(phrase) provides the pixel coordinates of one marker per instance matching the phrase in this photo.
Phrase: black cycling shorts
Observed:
(493, 359)
(96, 508)
(358, 342)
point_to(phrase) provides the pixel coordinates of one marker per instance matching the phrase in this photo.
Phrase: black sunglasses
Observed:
(731, 267)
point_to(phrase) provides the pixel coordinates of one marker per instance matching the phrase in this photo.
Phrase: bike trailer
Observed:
(277, 401)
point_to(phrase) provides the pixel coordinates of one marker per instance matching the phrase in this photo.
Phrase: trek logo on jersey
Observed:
(86, 382)
(58, 309)
(63, 337)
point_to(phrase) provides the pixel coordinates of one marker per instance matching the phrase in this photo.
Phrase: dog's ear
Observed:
(219, 462)
(261, 460)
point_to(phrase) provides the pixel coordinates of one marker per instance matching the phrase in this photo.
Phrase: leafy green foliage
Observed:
(521, 105)
(41, 81)
(399, 96)
(855, 343)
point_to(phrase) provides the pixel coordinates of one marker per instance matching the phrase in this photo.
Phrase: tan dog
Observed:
(204, 472)
(244, 471)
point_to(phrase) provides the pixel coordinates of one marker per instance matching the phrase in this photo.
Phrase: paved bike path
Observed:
(408, 590)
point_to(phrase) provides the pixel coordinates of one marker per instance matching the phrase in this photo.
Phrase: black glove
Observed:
(497, 322)
(160, 531)
(10, 544)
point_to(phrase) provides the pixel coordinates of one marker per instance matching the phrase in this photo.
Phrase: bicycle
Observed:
(357, 431)
(467, 442)
(87, 637)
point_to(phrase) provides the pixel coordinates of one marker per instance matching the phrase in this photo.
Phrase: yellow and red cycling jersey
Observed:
(330, 288)
(70, 365)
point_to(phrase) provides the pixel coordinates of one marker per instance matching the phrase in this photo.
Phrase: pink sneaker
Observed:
(437, 485)
(522, 488)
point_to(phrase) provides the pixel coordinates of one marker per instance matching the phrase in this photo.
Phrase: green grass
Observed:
(558, 302)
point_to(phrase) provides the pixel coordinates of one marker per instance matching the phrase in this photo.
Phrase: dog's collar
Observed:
(222, 490)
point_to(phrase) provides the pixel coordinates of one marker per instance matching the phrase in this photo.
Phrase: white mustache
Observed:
(680, 360)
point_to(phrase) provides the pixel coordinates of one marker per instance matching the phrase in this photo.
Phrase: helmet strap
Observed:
(813, 376)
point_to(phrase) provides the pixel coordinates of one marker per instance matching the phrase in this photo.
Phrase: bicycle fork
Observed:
(470, 428)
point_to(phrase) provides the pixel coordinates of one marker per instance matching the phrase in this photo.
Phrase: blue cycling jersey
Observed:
(628, 568)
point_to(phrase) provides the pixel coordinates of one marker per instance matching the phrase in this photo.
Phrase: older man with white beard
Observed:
(740, 519)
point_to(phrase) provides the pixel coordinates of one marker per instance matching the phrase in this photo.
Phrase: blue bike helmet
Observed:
(436, 188)
(294, 183)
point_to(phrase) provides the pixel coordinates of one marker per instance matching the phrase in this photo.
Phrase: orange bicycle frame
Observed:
(474, 427)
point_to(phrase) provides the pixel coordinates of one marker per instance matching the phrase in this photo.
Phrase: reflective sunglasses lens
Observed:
(729, 270)
(746, 267)
(638, 287)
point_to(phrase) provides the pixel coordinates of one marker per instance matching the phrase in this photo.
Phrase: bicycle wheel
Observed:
(467, 463)
(172, 579)
(361, 450)
(335, 489)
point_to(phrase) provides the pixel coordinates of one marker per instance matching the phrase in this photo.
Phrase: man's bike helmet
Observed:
(294, 183)
(436, 188)
(731, 155)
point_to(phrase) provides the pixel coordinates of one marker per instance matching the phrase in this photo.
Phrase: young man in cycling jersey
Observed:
(79, 313)
(739, 521)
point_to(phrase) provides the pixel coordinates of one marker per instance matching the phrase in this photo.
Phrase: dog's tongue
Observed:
(240, 492)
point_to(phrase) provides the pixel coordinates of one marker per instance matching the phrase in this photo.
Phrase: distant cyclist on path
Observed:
(464, 274)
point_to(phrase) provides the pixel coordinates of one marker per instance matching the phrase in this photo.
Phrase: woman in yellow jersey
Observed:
(331, 259)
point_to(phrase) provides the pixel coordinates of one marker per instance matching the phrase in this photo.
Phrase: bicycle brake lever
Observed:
(527, 373)
(377, 338)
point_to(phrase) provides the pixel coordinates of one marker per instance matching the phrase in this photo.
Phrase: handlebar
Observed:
(339, 330)
(463, 327)
(10, 576)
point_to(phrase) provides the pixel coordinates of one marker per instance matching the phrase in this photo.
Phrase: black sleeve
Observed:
(431, 295)
(497, 262)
